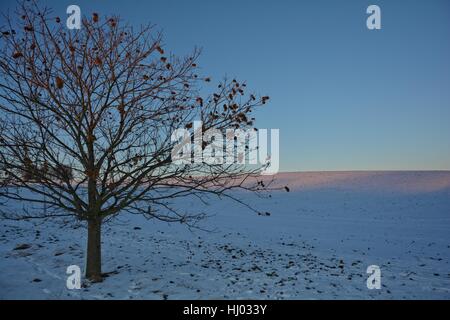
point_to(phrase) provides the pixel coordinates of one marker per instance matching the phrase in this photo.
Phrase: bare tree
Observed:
(87, 117)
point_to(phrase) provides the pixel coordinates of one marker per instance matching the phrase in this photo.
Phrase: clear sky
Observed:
(344, 97)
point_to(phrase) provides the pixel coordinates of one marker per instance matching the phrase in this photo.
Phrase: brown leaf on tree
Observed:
(163, 59)
(58, 19)
(17, 55)
(160, 50)
(207, 79)
(199, 101)
(29, 28)
(189, 125)
(241, 117)
(59, 83)
(98, 61)
(95, 17)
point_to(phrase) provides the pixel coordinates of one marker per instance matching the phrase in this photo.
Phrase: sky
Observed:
(344, 97)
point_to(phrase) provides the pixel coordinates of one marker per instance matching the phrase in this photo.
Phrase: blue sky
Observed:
(344, 97)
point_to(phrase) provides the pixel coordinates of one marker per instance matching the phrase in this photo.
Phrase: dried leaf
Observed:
(17, 55)
(98, 61)
(160, 50)
(59, 83)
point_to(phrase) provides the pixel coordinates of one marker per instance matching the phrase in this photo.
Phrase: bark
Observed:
(94, 255)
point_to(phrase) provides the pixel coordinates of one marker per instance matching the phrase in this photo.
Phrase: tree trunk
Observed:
(94, 254)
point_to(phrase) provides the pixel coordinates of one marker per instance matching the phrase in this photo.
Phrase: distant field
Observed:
(316, 243)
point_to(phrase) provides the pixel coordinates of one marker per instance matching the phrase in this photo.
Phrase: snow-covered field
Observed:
(316, 244)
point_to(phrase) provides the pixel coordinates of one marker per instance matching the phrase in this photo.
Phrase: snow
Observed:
(316, 244)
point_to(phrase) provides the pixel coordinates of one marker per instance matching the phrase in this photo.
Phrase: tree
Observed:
(87, 118)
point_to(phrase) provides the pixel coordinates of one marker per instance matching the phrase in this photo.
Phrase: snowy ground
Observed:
(316, 244)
